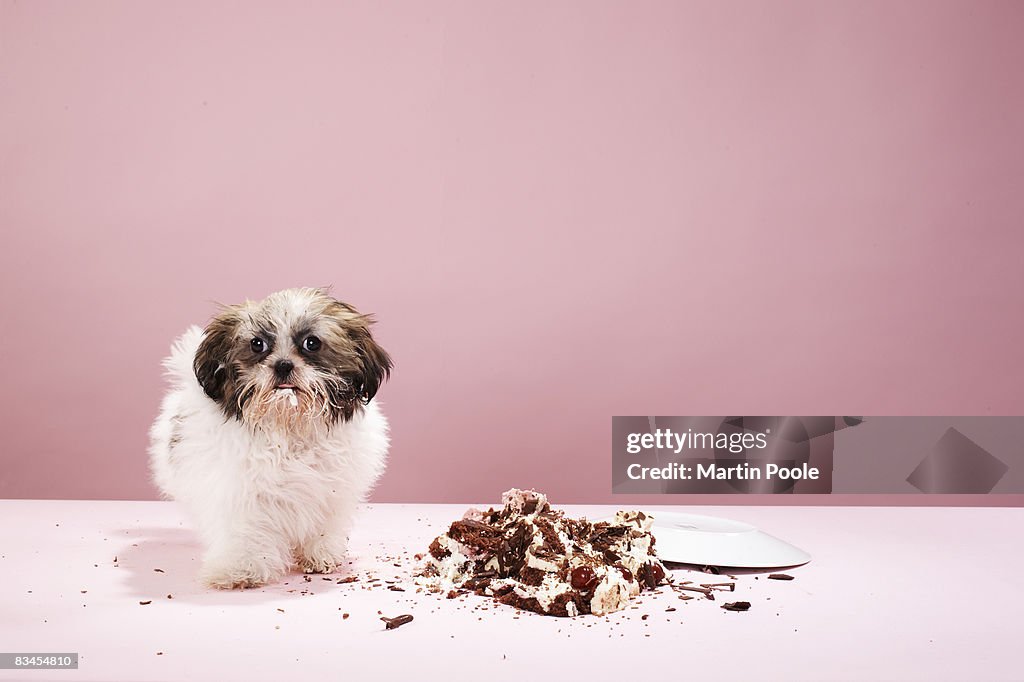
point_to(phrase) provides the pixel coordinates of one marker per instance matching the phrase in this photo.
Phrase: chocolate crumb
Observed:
(725, 587)
(780, 576)
(736, 606)
(144, 603)
(344, 616)
(396, 622)
(158, 570)
(706, 591)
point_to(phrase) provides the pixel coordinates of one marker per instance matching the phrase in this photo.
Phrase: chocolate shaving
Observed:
(396, 622)
(703, 590)
(780, 576)
(736, 606)
(722, 587)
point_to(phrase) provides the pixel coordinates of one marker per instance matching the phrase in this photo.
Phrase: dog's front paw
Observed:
(321, 557)
(225, 575)
(228, 581)
(318, 565)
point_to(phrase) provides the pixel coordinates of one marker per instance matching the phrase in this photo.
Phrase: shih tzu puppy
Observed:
(269, 436)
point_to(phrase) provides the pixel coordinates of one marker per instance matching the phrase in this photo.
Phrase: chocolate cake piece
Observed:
(530, 556)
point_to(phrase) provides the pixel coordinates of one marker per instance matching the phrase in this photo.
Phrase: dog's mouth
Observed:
(287, 392)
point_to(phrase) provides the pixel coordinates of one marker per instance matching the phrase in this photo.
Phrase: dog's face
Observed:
(298, 356)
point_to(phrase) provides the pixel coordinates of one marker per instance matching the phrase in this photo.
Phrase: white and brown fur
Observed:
(271, 476)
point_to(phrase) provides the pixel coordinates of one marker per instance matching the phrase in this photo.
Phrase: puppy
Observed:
(269, 436)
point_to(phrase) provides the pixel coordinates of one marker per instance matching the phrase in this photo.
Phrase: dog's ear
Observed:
(211, 362)
(372, 365)
(375, 363)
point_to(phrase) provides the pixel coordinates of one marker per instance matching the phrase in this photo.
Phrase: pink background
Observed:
(560, 211)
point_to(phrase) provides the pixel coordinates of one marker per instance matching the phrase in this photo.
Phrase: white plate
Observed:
(713, 541)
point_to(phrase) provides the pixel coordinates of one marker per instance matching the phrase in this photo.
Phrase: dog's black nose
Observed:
(283, 368)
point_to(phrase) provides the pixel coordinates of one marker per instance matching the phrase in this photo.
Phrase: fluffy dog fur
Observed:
(269, 436)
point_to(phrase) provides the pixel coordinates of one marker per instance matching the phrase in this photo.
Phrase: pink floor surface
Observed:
(892, 593)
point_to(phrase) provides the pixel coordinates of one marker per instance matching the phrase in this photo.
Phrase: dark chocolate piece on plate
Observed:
(737, 606)
(780, 576)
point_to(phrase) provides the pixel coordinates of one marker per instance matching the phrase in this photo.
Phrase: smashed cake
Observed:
(532, 557)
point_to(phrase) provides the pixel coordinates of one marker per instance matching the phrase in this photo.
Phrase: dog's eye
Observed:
(311, 343)
(258, 345)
